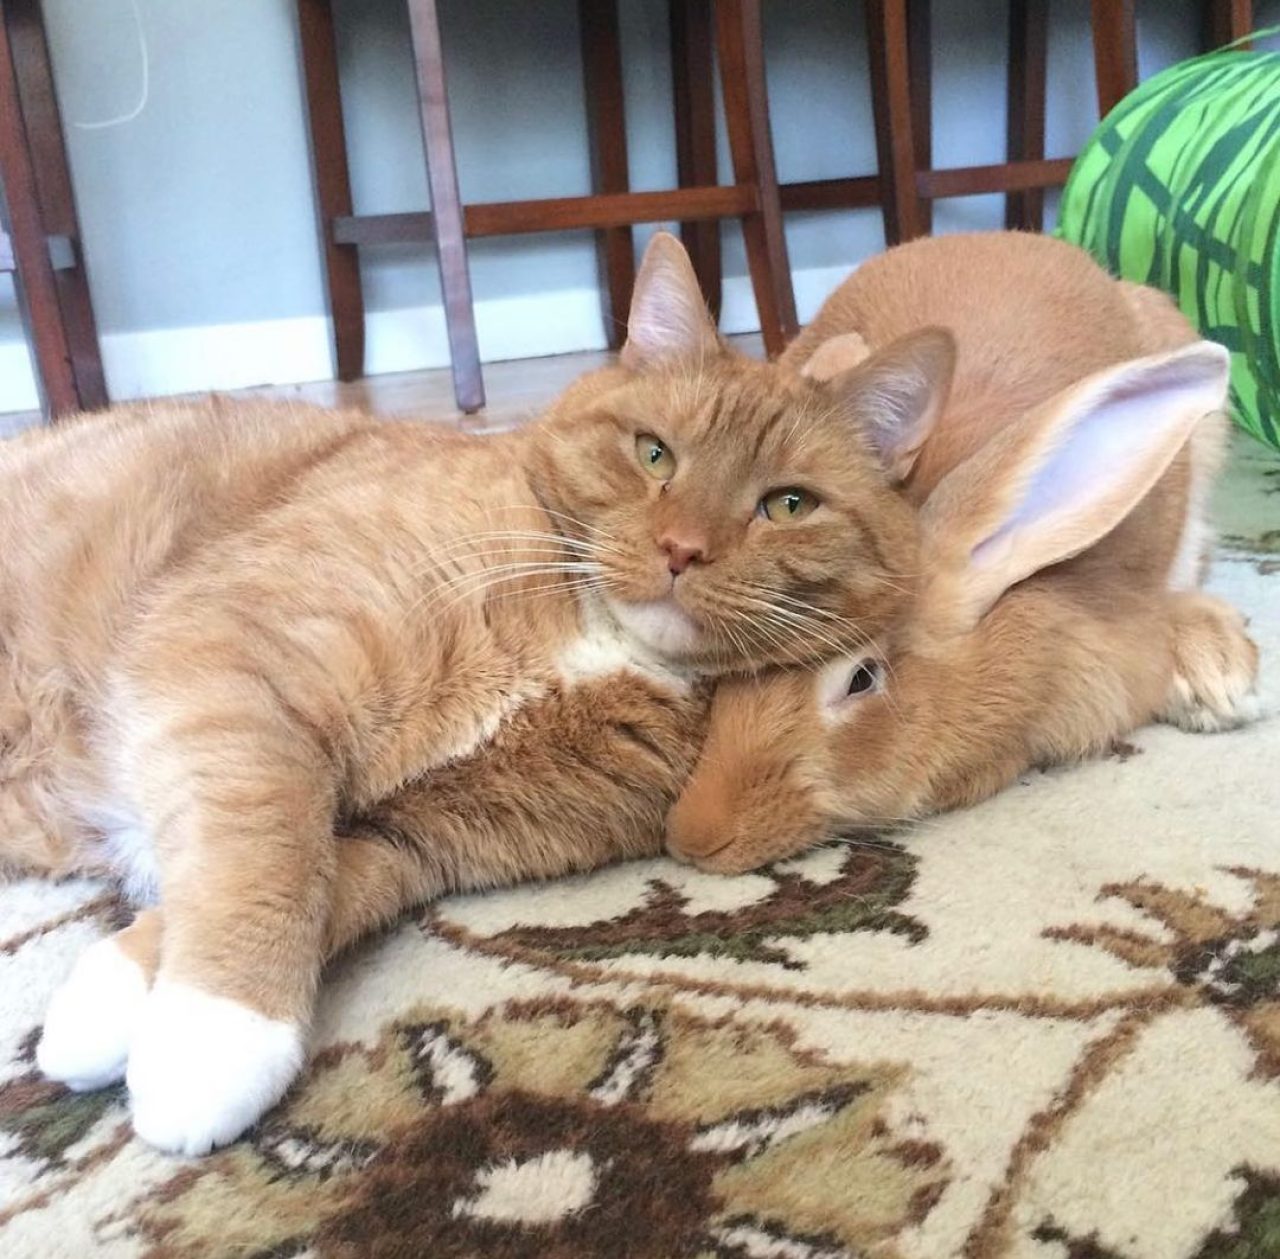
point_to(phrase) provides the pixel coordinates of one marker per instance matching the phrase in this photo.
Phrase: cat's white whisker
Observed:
(861, 640)
(474, 583)
(561, 515)
(795, 623)
(723, 626)
(554, 540)
(529, 553)
(551, 588)
(802, 604)
(863, 643)
(542, 535)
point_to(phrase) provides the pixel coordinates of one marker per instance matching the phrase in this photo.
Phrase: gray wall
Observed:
(198, 210)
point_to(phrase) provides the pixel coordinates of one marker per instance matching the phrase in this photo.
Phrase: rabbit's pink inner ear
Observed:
(668, 318)
(897, 394)
(1057, 481)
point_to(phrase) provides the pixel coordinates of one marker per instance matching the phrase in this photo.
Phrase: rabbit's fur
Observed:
(1061, 498)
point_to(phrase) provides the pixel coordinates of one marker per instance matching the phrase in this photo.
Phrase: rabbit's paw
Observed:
(204, 1068)
(92, 1018)
(1215, 677)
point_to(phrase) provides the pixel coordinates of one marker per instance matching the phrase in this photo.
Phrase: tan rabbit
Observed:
(1061, 511)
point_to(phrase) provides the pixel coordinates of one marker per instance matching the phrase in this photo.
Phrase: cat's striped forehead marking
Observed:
(739, 417)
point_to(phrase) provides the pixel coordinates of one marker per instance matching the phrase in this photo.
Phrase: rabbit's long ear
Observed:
(668, 318)
(1052, 484)
(896, 393)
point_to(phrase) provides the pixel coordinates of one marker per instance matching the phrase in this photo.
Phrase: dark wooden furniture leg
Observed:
(607, 132)
(38, 204)
(1028, 55)
(746, 111)
(1225, 21)
(446, 205)
(1115, 51)
(920, 69)
(32, 270)
(332, 183)
(693, 85)
(892, 107)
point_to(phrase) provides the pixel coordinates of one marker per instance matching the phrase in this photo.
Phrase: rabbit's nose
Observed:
(699, 825)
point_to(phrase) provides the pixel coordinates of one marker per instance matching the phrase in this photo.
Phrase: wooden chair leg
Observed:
(332, 183)
(892, 108)
(34, 281)
(1028, 55)
(446, 205)
(746, 111)
(607, 130)
(42, 122)
(693, 86)
(920, 72)
(1115, 51)
(1225, 21)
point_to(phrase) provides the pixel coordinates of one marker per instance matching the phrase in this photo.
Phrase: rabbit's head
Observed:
(965, 692)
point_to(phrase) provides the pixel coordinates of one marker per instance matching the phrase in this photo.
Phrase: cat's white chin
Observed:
(660, 625)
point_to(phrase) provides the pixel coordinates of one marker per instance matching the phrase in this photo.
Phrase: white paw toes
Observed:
(1222, 702)
(91, 1019)
(203, 1068)
(1215, 679)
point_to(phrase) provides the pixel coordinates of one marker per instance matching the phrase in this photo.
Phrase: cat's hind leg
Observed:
(91, 1020)
(91, 1016)
(37, 835)
(374, 883)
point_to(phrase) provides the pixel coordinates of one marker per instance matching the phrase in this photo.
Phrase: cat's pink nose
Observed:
(681, 552)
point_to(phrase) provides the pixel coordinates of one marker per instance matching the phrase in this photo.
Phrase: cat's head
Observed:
(739, 513)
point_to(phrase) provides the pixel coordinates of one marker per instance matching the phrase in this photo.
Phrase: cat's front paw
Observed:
(91, 1019)
(203, 1068)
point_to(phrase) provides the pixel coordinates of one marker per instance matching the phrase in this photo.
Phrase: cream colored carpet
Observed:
(1046, 1028)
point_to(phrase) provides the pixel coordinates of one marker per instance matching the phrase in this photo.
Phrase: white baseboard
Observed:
(17, 385)
(164, 361)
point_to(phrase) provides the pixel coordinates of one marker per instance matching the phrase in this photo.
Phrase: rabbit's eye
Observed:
(865, 679)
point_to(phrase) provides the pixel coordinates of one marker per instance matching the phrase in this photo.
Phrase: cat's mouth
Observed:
(662, 625)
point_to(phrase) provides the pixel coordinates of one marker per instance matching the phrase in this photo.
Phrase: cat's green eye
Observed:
(654, 457)
(787, 504)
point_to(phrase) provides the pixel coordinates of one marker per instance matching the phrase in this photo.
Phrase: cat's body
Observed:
(286, 548)
(291, 671)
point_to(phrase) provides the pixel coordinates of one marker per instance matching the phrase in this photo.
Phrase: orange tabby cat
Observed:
(287, 670)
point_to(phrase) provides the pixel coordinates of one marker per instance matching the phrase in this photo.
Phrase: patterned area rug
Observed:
(1046, 1028)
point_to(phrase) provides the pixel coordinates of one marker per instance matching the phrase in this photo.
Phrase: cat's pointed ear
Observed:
(1052, 484)
(898, 392)
(669, 318)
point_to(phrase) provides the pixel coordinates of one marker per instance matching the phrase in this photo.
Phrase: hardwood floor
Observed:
(516, 391)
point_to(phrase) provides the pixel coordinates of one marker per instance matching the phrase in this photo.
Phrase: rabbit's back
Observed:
(1031, 315)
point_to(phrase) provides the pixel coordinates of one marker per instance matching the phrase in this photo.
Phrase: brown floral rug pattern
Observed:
(1046, 1028)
